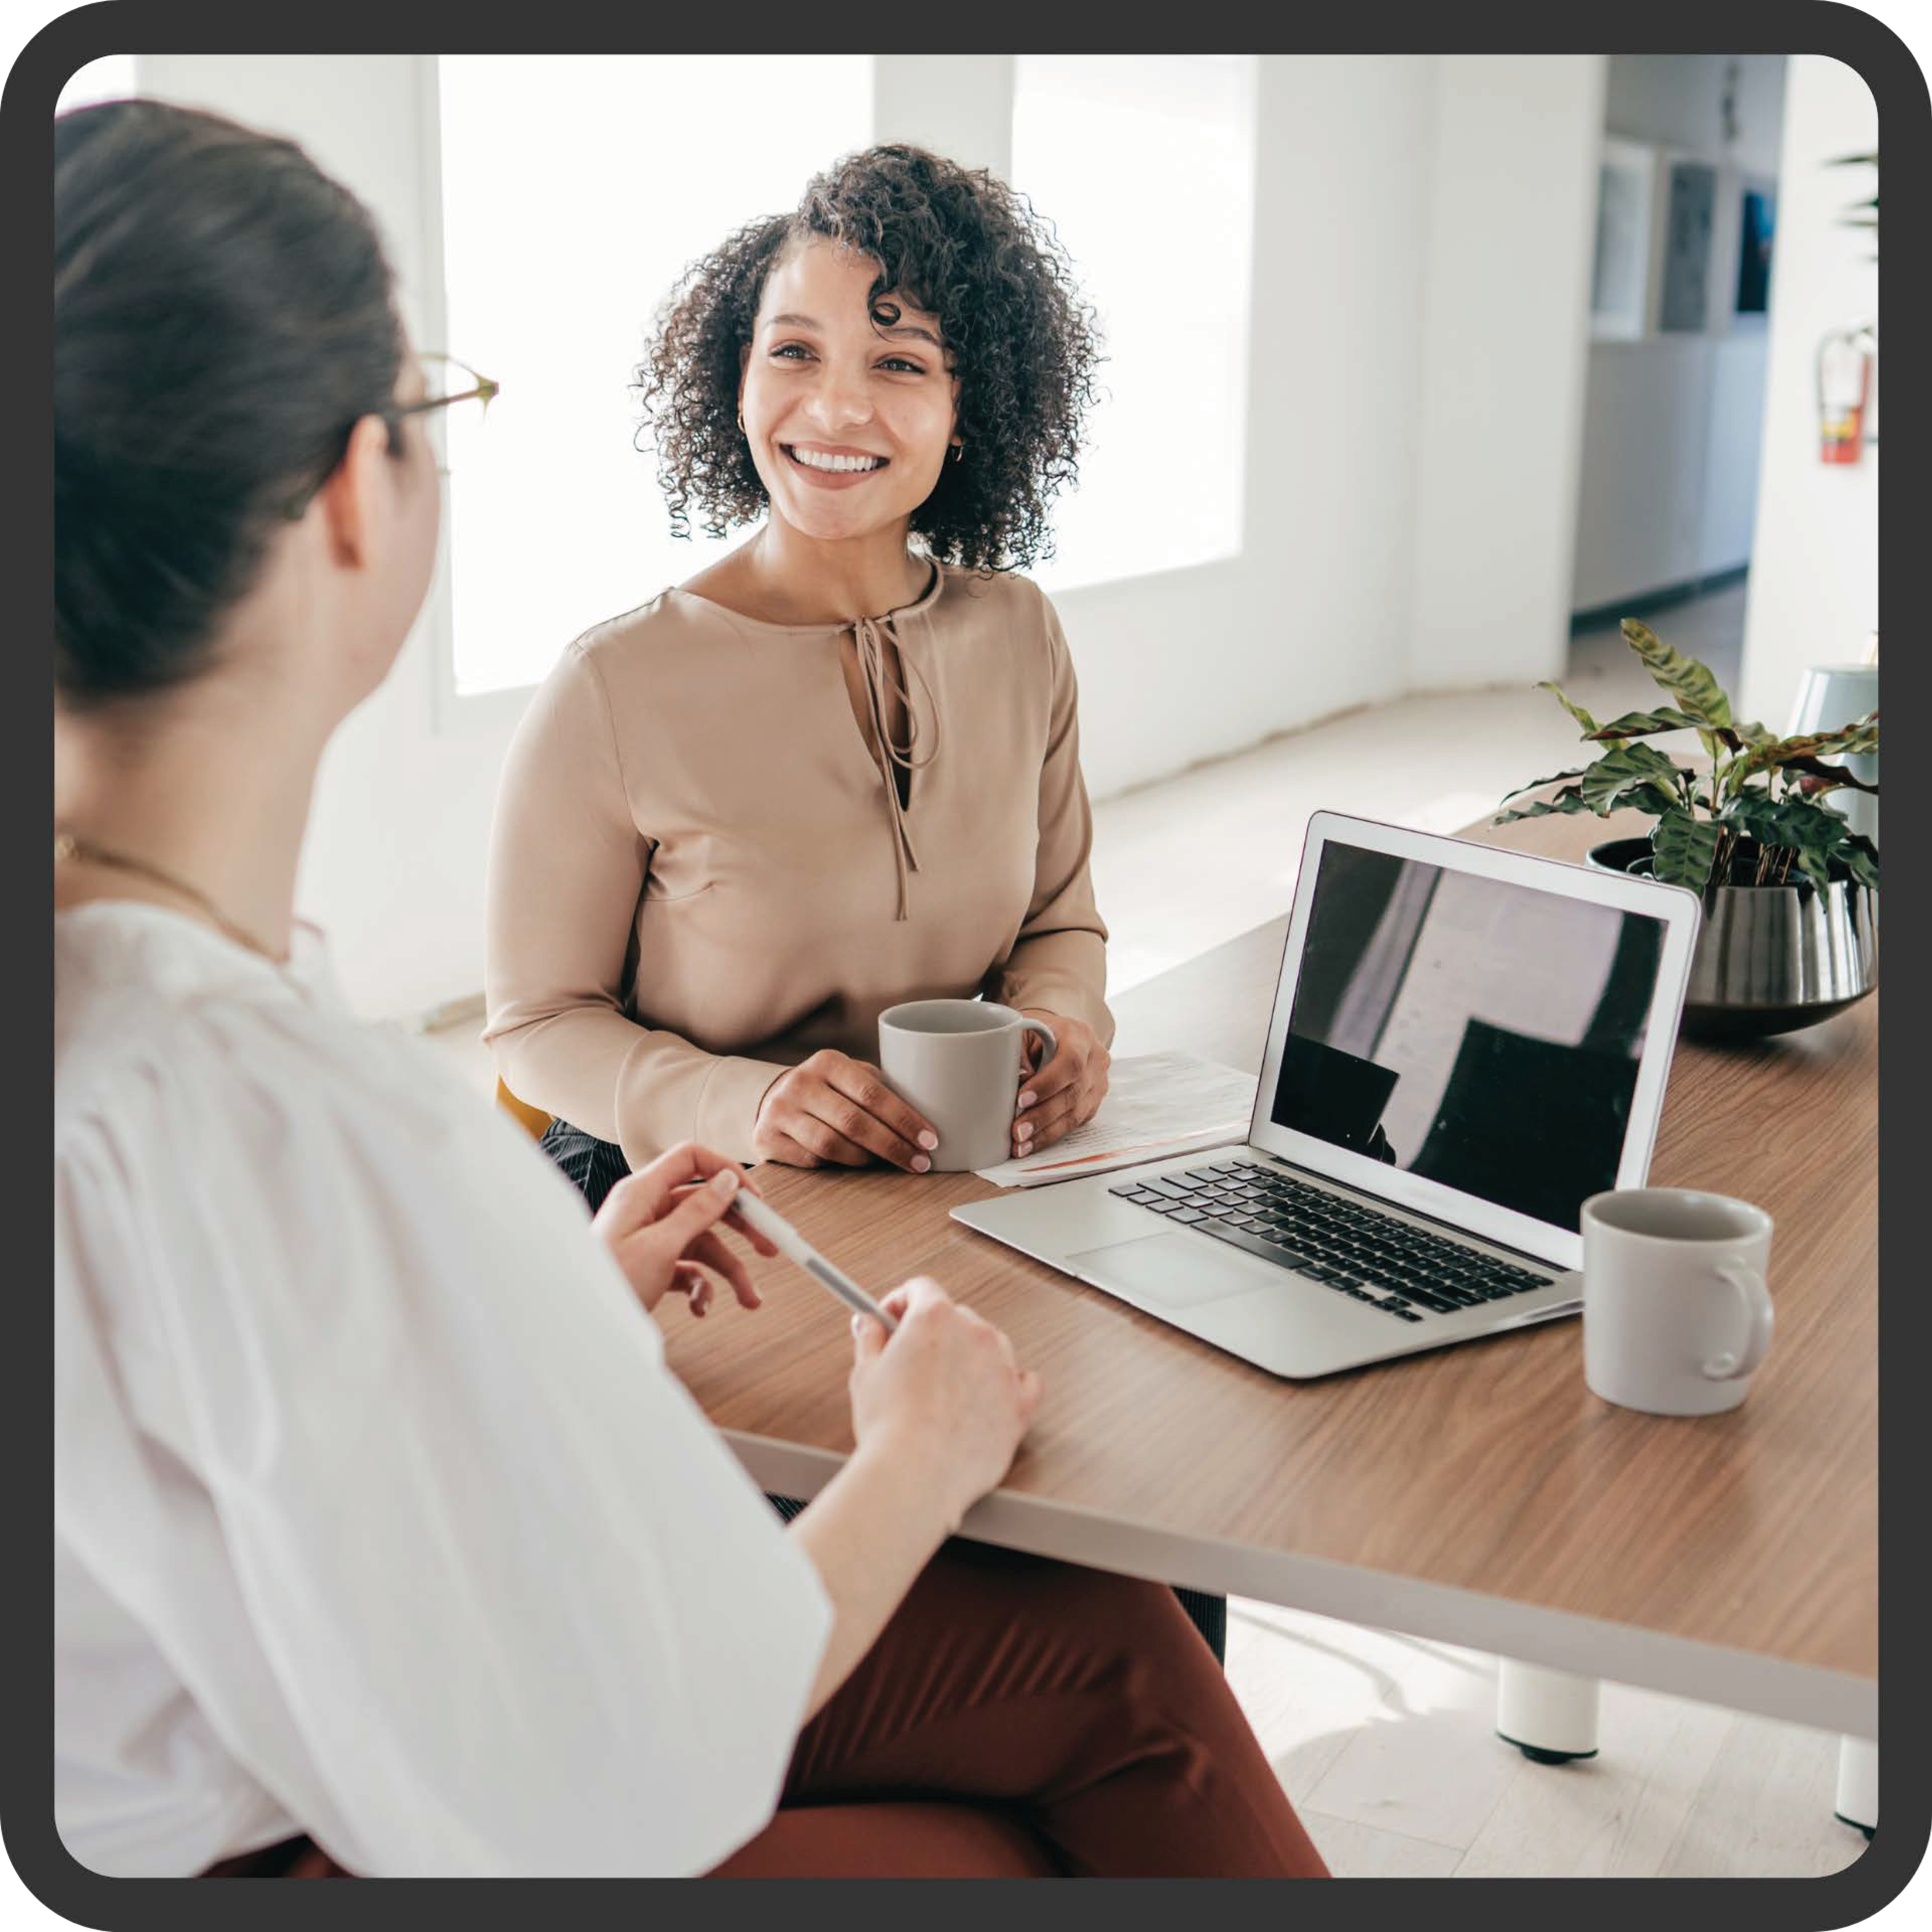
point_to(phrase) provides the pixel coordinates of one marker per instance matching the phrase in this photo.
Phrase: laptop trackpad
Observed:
(1167, 1271)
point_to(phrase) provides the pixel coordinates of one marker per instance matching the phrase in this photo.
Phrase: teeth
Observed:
(813, 459)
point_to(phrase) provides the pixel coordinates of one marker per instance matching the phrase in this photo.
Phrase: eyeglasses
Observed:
(449, 371)
(443, 375)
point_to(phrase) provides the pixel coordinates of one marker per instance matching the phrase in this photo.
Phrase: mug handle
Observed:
(1046, 1032)
(1755, 1298)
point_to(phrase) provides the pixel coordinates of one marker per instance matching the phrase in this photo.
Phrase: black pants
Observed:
(596, 1166)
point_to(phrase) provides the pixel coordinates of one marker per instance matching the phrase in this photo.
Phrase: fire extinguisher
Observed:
(1845, 360)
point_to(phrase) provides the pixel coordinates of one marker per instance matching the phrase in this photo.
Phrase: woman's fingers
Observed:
(781, 1147)
(687, 1161)
(1029, 1395)
(693, 1284)
(857, 1103)
(863, 1082)
(826, 1142)
(713, 1252)
(839, 1109)
(1060, 1072)
(828, 1125)
(1048, 1123)
(762, 1243)
(642, 1196)
(1053, 1120)
(695, 1210)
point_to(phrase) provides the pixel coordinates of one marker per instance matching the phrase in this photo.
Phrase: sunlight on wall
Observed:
(1145, 165)
(574, 190)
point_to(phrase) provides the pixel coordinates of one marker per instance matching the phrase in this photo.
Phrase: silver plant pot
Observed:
(1770, 958)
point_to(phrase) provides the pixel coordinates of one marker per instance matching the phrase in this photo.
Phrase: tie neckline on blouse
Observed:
(871, 634)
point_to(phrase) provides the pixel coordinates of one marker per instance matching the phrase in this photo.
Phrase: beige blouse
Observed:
(701, 871)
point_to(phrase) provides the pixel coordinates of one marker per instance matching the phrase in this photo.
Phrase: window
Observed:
(1145, 165)
(110, 78)
(574, 191)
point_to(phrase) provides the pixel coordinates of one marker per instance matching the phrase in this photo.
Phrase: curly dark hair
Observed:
(954, 241)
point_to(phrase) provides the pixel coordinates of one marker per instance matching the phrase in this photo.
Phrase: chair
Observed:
(532, 1119)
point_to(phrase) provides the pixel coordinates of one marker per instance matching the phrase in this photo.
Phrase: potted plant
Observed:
(1790, 890)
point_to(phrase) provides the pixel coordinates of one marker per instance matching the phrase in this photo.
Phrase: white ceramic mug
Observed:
(959, 1062)
(1676, 1314)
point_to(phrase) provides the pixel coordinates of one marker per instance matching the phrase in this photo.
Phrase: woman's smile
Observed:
(834, 466)
(848, 393)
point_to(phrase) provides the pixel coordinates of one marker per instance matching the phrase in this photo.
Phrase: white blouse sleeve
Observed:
(361, 1421)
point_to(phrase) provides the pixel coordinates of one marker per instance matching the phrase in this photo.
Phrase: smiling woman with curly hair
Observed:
(1019, 338)
(839, 768)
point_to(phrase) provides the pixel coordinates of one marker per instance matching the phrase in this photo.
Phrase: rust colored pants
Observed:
(1022, 1718)
(1018, 1718)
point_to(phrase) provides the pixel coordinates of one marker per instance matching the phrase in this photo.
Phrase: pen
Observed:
(768, 1221)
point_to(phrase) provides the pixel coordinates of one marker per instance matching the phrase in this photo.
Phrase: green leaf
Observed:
(1569, 801)
(1825, 778)
(1684, 849)
(1575, 711)
(1816, 834)
(1695, 690)
(1856, 739)
(1625, 774)
(1646, 724)
(1536, 784)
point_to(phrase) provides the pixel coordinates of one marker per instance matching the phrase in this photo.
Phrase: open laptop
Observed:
(1466, 1044)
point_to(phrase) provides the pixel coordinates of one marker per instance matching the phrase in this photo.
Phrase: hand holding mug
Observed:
(1064, 1093)
(833, 1109)
(957, 1063)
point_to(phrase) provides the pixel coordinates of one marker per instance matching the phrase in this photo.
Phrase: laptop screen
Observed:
(1473, 1032)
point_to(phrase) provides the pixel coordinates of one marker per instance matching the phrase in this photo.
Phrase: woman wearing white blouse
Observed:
(384, 1542)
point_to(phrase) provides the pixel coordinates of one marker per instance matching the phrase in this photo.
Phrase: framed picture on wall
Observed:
(1757, 221)
(1620, 284)
(1688, 226)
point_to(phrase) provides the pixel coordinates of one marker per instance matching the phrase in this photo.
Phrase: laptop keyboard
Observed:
(1391, 1265)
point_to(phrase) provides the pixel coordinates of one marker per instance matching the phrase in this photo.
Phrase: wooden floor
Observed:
(1385, 1743)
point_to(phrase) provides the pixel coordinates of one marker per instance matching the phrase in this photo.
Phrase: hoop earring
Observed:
(741, 419)
(958, 452)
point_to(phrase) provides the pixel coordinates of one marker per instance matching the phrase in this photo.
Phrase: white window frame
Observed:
(488, 716)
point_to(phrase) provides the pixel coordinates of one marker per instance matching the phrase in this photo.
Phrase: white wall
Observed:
(1813, 594)
(1670, 451)
(1411, 464)
(1676, 100)
(1313, 617)
(394, 865)
(1409, 519)
(1513, 193)
(959, 105)
(1669, 488)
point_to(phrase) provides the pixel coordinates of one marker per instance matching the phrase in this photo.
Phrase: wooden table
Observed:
(1479, 1495)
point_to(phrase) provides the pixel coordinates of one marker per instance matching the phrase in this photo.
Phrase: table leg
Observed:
(1548, 1715)
(1858, 1785)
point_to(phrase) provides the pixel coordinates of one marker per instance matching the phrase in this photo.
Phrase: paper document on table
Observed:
(1157, 1104)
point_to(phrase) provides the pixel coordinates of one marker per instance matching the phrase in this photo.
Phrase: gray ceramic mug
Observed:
(1675, 1312)
(959, 1062)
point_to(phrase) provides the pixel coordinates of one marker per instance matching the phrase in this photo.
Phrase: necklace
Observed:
(67, 846)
